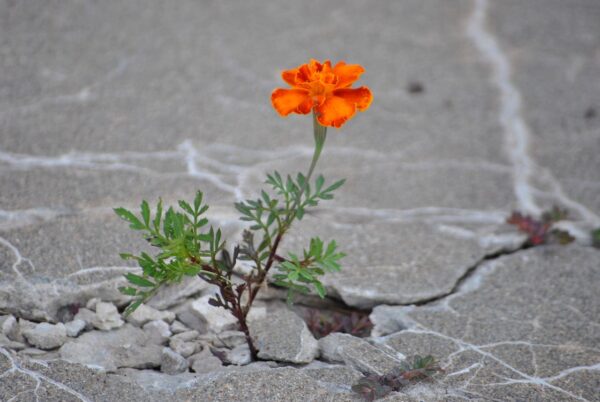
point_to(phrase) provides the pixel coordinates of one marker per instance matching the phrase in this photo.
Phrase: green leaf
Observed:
(128, 291)
(186, 207)
(198, 200)
(145, 212)
(319, 183)
(335, 186)
(320, 289)
(126, 215)
(158, 216)
(132, 307)
(138, 280)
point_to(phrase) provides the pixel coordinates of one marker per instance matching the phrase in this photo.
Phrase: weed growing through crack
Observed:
(188, 246)
(418, 368)
(541, 231)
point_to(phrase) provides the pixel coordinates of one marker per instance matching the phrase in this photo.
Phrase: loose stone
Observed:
(172, 362)
(240, 355)
(7, 343)
(205, 362)
(127, 346)
(107, 317)
(144, 314)
(11, 329)
(46, 336)
(283, 336)
(158, 331)
(178, 327)
(86, 315)
(184, 348)
(75, 327)
(211, 318)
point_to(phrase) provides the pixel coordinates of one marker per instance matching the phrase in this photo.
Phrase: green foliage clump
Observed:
(187, 245)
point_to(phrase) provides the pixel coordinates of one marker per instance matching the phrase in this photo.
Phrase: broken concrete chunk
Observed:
(229, 339)
(158, 331)
(11, 329)
(144, 314)
(46, 336)
(178, 327)
(7, 343)
(356, 353)
(172, 362)
(388, 320)
(283, 336)
(91, 304)
(126, 346)
(107, 317)
(205, 362)
(174, 294)
(86, 315)
(75, 327)
(186, 336)
(184, 348)
(203, 317)
(240, 355)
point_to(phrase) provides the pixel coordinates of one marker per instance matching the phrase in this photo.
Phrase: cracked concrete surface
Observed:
(105, 103)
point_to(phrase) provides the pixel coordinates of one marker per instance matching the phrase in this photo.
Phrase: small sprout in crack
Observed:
(372, 387)
(540, 231)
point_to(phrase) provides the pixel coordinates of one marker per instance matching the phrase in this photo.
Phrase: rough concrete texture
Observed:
(105, 103)
(524, 327)
(283, 336)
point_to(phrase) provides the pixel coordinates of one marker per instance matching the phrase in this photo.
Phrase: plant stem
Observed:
(320, 134)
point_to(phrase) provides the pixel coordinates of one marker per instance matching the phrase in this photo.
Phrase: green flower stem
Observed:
(320, 134)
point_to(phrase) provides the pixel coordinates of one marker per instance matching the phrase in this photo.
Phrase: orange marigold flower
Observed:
(324, 89)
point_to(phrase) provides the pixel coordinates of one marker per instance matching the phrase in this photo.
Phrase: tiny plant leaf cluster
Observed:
(541, 231)
(372, 387)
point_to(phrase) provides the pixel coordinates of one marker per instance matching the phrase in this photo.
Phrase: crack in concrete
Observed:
(516, 130)
(38, 377)
(462, 284)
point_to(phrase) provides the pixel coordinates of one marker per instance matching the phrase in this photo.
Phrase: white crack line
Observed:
(19, 258)
(93, 270)
(25, 217)
(515, 129)
(429, 214)
(83, 95)
(39, 378)
(526, 378)
(466, 370)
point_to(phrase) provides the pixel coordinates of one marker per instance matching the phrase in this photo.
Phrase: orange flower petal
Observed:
(347, 73)
(287, 101)
(361, 97)
(334, 111)
(289, 76)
